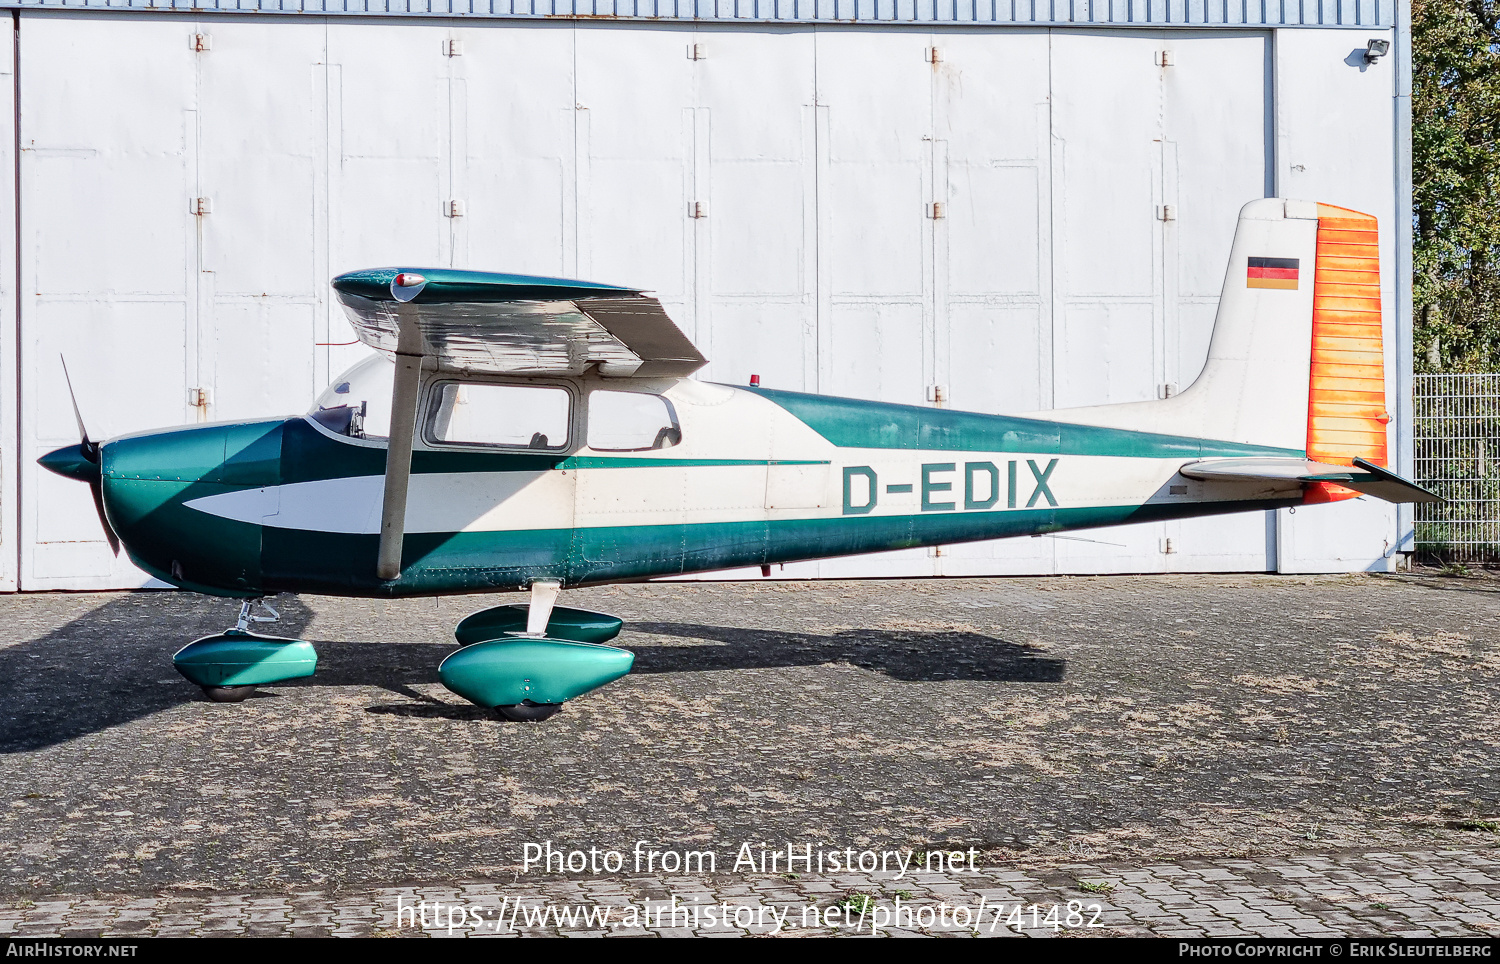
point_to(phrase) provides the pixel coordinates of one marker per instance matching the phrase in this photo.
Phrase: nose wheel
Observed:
(229, 666)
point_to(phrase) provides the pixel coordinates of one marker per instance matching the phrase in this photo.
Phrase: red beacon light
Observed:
(754, 381)
(409, 279)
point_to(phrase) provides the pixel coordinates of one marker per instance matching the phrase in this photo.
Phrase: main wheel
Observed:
(227, 694)
(529, 712)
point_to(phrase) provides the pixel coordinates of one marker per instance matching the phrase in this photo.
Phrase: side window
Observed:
(519, 416)
(631, 422)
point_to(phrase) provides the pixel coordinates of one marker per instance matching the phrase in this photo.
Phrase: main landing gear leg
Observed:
(525, 662)
(543, 597)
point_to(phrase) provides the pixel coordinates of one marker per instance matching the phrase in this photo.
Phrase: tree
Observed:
(1456, 184)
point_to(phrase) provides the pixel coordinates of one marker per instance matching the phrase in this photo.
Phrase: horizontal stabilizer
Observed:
(1363, 476)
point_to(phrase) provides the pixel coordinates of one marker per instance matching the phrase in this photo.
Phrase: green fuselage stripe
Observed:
(856, 423)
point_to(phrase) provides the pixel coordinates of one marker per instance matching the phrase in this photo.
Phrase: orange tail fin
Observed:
(1346, 413)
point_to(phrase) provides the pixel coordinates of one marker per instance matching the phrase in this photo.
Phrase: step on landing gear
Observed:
(230, 665)
(524, 664)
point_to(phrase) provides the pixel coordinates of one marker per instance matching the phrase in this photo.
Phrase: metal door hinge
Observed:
(200, 205)
(198, 397)
(932, 55)
(697, 51)
(937, 394)
(453, 48)
(453, 209)
(200, 42)
(1166, 212)
(1167, 390)
(698, 209)
(1167, 548)
(1164, 58)
(937, 210)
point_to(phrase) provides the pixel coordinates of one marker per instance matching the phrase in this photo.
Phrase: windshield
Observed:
(358, 403)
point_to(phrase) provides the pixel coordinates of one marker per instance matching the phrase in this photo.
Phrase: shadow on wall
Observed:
(113, 665)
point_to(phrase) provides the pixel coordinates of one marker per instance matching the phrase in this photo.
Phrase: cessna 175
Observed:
(522, 433)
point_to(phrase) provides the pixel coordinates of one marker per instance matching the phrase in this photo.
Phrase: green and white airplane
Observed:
(516, 433)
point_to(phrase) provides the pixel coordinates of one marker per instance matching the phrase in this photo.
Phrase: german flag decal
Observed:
(1271, 273)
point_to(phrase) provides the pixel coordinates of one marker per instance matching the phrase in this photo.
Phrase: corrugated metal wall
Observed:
(322, 145)
(1163, 13)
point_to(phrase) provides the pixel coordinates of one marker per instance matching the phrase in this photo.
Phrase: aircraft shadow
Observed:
(112, 665)
(907, 655)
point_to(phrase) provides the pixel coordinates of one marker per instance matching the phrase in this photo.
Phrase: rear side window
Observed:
(514, 416)
(631, 422)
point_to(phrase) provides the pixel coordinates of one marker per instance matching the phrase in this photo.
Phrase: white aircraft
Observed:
(533, 434)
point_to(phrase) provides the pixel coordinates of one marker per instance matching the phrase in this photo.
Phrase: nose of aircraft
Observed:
(143, 485)
(71, 462)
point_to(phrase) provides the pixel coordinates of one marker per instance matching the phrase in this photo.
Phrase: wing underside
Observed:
(512, 324)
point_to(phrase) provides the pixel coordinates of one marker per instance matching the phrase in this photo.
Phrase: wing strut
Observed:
(398, 452)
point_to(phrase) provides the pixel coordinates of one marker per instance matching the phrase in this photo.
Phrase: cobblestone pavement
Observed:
(1450, 893)
(1116, 726)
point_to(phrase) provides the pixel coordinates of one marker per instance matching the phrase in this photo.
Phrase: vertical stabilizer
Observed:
(1296, 360)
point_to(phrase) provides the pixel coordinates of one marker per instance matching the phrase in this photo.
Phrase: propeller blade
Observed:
(90, 449)
(91, 452)
(96, 485)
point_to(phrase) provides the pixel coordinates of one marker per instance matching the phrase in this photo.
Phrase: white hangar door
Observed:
(875, 280)
(108, 263)
(636, 130)
(10, 515)
(390, 119)
(992, 248)
(1150, 168)
(262, 279)
(168, 316)
(1317, 161)
(515, 153)
(755, 156)
(1216, 113)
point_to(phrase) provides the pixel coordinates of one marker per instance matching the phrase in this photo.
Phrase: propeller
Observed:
(90, 451)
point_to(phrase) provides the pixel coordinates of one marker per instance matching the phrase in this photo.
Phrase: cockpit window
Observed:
(358, 403)
(514, 416)
(631, 422)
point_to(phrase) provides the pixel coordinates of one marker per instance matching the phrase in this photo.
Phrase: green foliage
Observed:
(857, 902)
(1456, 184)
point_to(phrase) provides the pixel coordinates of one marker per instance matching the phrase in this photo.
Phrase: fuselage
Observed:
(753, 477)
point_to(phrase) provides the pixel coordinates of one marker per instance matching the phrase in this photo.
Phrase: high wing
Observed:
(475, 321)
(1362, 476)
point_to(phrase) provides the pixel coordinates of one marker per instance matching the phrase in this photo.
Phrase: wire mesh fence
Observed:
(1456, 434)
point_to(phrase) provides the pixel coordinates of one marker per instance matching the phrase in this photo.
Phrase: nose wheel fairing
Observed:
(239, 658)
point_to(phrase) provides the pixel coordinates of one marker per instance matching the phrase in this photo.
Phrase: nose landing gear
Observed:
(229, 665)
